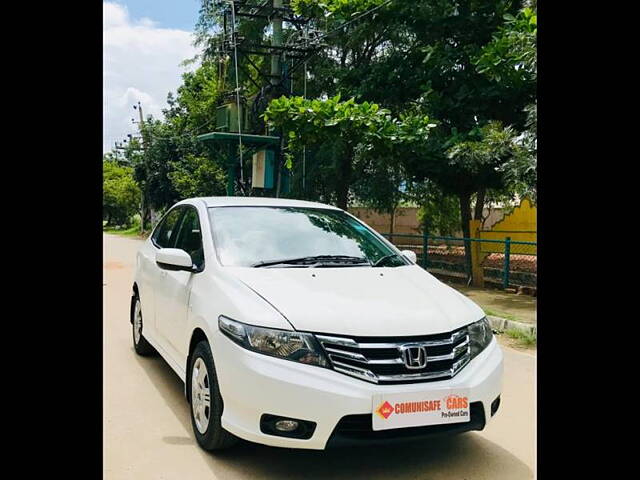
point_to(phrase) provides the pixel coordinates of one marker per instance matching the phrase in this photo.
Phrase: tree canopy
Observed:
(431, 101)
(120, 193)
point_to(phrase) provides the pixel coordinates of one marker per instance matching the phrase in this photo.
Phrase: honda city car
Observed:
(294, 324)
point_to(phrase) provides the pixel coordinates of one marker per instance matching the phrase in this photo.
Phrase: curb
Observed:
(502, 324)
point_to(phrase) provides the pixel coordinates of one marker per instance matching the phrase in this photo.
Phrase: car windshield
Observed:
(292, 236)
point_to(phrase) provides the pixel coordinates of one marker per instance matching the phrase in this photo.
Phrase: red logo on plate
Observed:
(455, 402)
(385, 410)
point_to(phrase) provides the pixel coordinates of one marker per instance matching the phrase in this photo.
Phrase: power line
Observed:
(184, 134)
(315, 40)
(367, 12)
(318, 39)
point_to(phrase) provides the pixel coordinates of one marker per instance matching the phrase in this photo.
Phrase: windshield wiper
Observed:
(315, 260)
(382, 259)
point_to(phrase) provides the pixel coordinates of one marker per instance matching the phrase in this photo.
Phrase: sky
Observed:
(144, 42)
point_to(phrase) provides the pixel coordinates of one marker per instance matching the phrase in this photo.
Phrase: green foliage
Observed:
(195, 104)
(439, 213)
(511, 59)
(470, 65)
(521, 171)
(525, 339)
(511, 56)
(173, 165)
(483, 156)
(120, 193)
(132, 231)
(329, 7)
(313, 122)
(366, 140)
(330, 123)
(197, 176)
(379, 183)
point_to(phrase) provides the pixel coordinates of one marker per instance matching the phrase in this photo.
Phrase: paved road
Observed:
(147, 429)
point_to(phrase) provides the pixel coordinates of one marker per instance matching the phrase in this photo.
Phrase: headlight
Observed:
(480, 335)
(287, 344)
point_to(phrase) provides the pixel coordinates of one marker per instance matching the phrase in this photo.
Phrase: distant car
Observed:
(294, 324)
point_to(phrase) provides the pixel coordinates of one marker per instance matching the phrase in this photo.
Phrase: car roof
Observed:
(258, 202)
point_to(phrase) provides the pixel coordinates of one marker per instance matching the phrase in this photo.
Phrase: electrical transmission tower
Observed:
(239, 126)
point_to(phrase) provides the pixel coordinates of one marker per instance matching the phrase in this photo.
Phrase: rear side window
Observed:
(165, 234)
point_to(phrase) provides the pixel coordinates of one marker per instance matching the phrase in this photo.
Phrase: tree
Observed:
(318, 123)
(511, 58)
(120, 193)
(432, 57)
(173, 164)
(197, 176)
(439, 213)
(469, 64)
(193, 108)
(482, 161)
(354, 131)
(379, 185)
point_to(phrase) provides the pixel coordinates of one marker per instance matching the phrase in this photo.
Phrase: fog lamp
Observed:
(286, 425)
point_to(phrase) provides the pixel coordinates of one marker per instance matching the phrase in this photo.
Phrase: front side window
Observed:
(164, 236)
(190, 239)
(264, 236)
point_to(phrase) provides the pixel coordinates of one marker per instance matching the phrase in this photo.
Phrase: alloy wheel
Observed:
(137, 322)
(200, 395)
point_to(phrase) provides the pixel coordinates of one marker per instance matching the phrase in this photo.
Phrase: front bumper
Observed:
(252, 384)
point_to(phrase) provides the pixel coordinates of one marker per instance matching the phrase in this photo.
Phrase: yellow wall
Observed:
(520, 225)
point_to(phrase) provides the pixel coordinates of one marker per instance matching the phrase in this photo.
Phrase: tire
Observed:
(140, 344)
(206, 419)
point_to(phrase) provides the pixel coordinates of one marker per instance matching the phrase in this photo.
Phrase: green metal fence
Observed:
(514, 263)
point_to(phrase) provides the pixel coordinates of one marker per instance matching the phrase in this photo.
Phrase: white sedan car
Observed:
(294, 324)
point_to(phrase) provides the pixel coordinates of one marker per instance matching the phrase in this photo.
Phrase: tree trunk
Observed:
(480, 196)
(465, 213)
(393, 218)
(344, 180)
(465, 217)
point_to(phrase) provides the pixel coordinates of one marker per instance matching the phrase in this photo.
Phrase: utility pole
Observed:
(269, 82)
(276, 74)
(276, 42)
(144, 151)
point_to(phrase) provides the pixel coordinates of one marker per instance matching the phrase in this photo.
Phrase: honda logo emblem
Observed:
(414, 356)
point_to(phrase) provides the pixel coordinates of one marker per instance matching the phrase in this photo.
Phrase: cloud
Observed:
(141, 62)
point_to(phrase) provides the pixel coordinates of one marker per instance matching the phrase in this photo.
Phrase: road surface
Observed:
(147, 429)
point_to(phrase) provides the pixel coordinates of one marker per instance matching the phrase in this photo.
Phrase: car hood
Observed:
(361, 301)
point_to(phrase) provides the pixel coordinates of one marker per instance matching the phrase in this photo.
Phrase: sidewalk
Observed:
(496, 303)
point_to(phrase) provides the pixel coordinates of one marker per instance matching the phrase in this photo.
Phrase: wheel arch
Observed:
(197, 336)
(133, 301)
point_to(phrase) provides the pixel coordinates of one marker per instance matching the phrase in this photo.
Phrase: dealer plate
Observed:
(416, 409)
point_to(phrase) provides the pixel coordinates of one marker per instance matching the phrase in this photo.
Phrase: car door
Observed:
(163, 236)
(175, 287)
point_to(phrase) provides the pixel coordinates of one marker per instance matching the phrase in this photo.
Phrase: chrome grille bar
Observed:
(354, 356)
(348, 342)
(429, 375)
(460, 354)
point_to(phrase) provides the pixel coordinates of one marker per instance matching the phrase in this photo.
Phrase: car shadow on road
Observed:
(466, 456)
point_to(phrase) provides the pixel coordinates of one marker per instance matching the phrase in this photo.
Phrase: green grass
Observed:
(132, 231)
(495, 313)
(526, 339)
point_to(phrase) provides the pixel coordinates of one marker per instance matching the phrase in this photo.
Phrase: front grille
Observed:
(380, 359)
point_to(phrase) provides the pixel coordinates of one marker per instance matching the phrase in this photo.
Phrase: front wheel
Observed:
(140, 344)
(206, 402)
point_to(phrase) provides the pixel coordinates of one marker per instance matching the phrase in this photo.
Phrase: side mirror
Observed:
(410, 255)
(174, 259)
